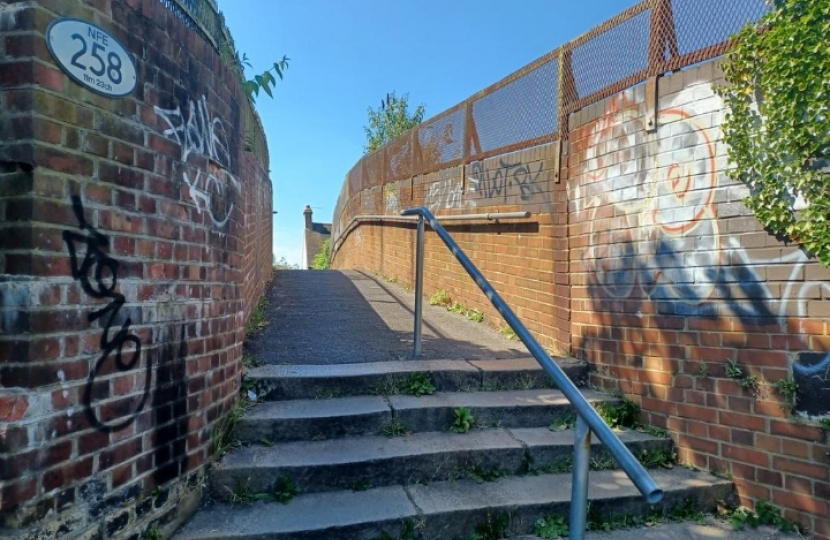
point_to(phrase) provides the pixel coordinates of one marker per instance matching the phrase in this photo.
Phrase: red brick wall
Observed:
(523, 259)
(646, 263)
(673, 278)
(170, 228)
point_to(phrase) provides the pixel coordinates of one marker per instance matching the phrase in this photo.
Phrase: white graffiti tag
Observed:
(197, 132)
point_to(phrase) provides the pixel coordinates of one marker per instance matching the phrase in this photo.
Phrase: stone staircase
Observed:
(352, 456)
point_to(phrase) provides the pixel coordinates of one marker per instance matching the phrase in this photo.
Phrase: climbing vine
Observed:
(778, 127)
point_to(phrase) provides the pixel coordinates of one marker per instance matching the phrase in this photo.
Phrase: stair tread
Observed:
(394, 503)
(317, 408)
(376, 447)
(365, 448)
(355, 405)
(541, 397)
(408, 366)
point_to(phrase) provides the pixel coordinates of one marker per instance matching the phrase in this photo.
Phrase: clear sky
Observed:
(347, 54)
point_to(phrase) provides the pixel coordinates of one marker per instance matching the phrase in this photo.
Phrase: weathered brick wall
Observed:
(645, 262)
(134, 239)
(523, 259)
(673, 278)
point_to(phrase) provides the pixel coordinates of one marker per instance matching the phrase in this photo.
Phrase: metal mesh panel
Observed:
(705, 23)
(355, 179)
(521, 110)
(373, 166)
(399, 156)
(611, 56)
(441, 140)
(527, 108)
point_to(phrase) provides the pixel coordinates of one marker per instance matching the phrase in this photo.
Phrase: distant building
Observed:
(315, 235)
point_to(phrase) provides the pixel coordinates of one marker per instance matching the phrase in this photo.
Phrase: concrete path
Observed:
(333, 317)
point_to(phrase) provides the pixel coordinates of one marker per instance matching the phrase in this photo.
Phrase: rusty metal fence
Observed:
(204, 18)
(530, 107)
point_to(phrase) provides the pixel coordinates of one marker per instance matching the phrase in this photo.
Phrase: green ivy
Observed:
(778, 127)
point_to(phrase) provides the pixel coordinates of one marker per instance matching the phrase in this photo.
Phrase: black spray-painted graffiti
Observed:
(102, 284)
(198, 132)
(508, 180)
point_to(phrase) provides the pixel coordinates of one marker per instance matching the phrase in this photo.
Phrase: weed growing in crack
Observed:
(623, 414)
(418, 384)
(395, 428)
(788, 389)
(463, 421)
(285, 489)
(440, 298)
(565, 422)
(551, 526)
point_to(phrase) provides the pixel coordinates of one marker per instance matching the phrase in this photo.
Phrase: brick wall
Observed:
(134, 239)
(673, 279)
(645, 262)
(521, 258)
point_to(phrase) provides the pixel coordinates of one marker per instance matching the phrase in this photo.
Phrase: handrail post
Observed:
(579, 487)
(419, 287)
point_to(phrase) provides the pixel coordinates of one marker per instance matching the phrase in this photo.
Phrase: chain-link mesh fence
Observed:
(529, 107)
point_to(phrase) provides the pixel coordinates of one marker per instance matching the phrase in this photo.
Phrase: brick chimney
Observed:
(307, 214)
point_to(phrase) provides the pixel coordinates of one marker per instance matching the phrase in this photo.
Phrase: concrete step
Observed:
(444, 510)
(288, 382)
(374, 461)
(295, 420)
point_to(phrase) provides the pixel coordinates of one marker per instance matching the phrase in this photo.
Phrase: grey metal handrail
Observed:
(588, 420)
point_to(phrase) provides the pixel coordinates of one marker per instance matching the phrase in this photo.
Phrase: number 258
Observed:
(112, 67)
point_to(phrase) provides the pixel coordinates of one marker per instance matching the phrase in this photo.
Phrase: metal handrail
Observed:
(490, 216)
(588, 420)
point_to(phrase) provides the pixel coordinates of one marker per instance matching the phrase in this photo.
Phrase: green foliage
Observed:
(778, 127)
(153, 533)
(564, 422)
(475, 315)
(509, 333)
(658, 457)
(259, 317)
(622, 414)
(745, 380)
(764, 514)
(265, 81)
(551, 526)
(395, 428)
(285, 489)
(391, 119)
(223, 436)
(481, 475)
(418, 384)
(463, 421)
(440, 298)
(788, 389)
(824, 423)
(321, 259)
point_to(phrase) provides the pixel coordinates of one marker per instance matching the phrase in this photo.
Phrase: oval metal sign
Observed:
(91, 56)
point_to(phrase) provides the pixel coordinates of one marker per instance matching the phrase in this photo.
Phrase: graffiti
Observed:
(654, 234)
(98, 275)
(662, 236)
(198, 132)
(447, 194)
(509, 180)
(390, 196)
(212, 191)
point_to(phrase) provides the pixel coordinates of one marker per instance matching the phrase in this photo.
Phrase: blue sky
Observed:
(347, 54)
